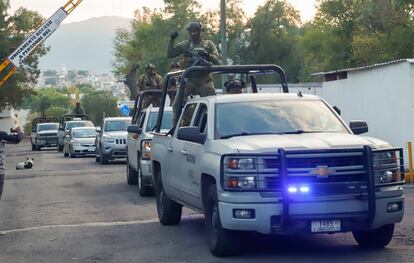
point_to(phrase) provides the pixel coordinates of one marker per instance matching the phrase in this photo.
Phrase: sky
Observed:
(125, 8)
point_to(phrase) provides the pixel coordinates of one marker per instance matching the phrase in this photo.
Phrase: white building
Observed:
(381, 94)
(11, 119)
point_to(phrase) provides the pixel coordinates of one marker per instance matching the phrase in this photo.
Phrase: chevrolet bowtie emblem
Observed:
(322, 171)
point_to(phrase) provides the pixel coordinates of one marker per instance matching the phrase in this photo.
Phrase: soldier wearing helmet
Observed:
(195, 45)
(234, 86)
(195, 51)
(150, 81)
(78, 110)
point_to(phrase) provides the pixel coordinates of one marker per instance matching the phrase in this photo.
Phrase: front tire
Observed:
(376, 238)
(33, 147)
(143, 188)
(60, 148)
(103, 159)
(132, 176)
(169, 212)
(222, 242)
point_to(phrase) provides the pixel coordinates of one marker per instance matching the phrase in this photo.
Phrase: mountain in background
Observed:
(85, 45)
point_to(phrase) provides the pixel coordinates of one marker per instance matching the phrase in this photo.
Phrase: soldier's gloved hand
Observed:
(174, 35)
(203, 53)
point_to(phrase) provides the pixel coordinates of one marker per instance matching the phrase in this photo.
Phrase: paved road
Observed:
(74, 210)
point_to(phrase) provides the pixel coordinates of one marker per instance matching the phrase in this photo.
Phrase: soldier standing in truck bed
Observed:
(150, 81)
(196, 51)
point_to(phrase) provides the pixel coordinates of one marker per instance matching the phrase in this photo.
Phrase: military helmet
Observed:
(175, 65)
(195, 26)
(150, 66)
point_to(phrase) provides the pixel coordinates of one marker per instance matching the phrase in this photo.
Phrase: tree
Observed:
(98, 104)
(273, 37)
(147, 39)
(14, 29)
(44, 99)
(56, 110)
(350, 33)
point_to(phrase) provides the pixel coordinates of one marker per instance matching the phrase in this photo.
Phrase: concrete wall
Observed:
(383, 96)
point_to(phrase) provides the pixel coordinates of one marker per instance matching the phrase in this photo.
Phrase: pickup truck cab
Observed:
(139, 142)
(276, 164)
(35, 130)
(44, 135)
(139, 167)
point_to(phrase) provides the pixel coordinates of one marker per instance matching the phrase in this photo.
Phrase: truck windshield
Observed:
(121, 125)
(86, 133)
(166, 124)
(275, 117)
(48, 127)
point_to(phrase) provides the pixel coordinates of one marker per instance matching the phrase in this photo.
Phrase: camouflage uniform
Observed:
(200, 83)
(234, 86)
(150, 82)
(79, 110)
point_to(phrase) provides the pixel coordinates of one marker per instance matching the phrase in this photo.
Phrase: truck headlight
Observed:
(240, 173)
(146, 150)
(241, 163)
(240, 182)
(388, 166)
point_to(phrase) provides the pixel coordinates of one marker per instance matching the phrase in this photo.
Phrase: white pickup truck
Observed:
(276, 164)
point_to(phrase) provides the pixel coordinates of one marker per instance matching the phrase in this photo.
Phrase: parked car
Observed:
(111, 139)
(80, 141)
(65, 125)
(44, 135)
(139, 147)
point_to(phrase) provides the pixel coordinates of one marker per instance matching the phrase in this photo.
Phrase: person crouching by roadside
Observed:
(14, 138)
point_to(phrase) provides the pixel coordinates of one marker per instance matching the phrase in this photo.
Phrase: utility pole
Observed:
(223, 39)
(223, 32)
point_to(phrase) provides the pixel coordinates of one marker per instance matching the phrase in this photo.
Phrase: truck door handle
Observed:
(170, 149)
(183, 152)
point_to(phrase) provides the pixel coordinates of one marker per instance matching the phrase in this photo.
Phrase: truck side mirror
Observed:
(134, 129)
(191, 134)
(358, 127)
(98, 129)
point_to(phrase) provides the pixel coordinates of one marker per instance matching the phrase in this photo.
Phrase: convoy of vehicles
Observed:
(44, 135)
(111, 139)
(79, 141)
(269, 163)
(274, 164)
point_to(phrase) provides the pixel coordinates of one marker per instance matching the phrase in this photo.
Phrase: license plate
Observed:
(326, 226)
